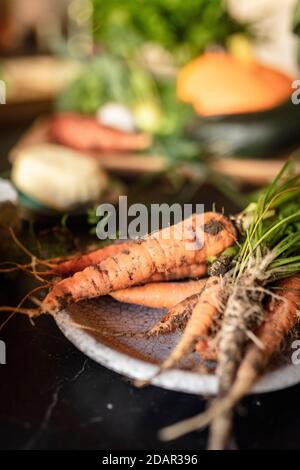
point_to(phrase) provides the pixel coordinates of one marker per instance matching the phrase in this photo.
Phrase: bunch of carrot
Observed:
(179, 251)
(262, 298)
(238, 318)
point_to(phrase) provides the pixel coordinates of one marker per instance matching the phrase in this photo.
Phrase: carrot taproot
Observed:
(242, 313)
(205, 310)
(206, 348)
(182, 272)
(159, 294)
(78, 263)
(176, 317)
(186, 243)
(86, 134)
(281, 316)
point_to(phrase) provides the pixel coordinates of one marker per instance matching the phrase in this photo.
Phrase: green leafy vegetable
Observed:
(274, 233)
(184, 28)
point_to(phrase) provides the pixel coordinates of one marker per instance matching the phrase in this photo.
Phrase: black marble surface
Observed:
(53, 397)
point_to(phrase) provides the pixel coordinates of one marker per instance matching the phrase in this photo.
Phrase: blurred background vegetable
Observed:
(183, 28)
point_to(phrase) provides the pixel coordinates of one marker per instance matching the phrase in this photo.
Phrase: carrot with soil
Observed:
(176, 318)
(226, 313)
(93, 258)
(281, 317)
(78, 263)
(207, 348)
(205, 309)
(269, 251)
(161, 252)
(160, 294)
(197, 314)
(192, 271)
(262, 258)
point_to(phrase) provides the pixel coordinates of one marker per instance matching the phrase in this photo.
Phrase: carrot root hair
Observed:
(27, 251)
(197, 422)
(30, 312)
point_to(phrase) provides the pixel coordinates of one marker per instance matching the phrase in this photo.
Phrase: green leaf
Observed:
(276, 224)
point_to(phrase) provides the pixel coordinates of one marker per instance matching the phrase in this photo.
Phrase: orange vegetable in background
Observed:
(85, 133)
(219, 83)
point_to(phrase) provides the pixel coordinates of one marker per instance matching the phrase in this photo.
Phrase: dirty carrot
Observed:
(176, 317)
(182, 272)
(243, 311)
(207, 348)
(186, 243)
(269, 251)
(78, 263)
(205, 311)
(159, 294)
(281, 316)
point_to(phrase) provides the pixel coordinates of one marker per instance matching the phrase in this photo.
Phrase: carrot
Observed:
(163, 251)
(207, 349)
(182, 272)
(176, 318)
(243, 311)
(81, 262)
(205, 310)
(159, 294)
(85, 134)
(281, 316)
(78, 263)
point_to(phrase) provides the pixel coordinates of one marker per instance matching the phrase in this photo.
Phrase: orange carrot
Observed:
(204, 312)
(159, 294)
(163, 251)
(182, 272)
(207, 349)
(86, 134)
(280, 318)
(92, 258)
(78, 263)
(176, 318)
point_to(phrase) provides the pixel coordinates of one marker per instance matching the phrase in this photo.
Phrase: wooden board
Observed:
(37, 78)
(248, 171)
(32, 85)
